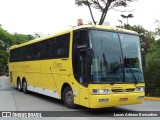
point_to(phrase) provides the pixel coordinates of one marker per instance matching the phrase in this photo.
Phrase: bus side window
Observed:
(62, 46)
(81, 38)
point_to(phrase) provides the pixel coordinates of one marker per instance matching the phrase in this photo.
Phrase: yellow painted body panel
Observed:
(114, 98)
(46, 74)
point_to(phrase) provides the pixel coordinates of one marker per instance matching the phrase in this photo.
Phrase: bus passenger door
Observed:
(80, 45)
(83, 80)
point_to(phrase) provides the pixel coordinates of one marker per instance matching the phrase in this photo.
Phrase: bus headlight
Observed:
(101, 91)
(140, 89)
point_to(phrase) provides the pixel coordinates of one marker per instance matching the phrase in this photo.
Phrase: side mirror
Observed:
(89, 57)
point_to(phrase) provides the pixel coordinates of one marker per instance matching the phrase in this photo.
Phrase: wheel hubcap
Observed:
(69, 97)
(24, 86)
(19, 86)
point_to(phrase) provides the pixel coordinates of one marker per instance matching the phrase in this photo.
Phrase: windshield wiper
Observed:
(113, 81)
(133, 75)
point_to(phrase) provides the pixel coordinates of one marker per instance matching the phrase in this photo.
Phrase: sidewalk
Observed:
(152, 98)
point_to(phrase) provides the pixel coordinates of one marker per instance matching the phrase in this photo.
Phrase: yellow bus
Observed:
(90, 65)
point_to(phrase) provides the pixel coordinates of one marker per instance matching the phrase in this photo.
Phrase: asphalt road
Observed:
(13, 100)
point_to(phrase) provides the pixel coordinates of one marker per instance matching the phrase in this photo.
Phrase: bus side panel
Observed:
(16, 71)
(31, 70)
(54, 74)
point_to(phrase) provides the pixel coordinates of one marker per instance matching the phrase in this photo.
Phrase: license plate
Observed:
(123, 99)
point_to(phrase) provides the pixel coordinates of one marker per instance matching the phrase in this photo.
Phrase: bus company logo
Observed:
(57, 65)
(6, 114)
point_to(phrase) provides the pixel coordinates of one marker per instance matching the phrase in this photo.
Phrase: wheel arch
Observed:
(63, 87)
(18, 79)
(23, 79)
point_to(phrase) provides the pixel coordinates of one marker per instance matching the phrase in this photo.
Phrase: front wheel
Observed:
(68, 98)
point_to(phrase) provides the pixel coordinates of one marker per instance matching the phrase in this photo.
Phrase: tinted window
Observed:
(62, 47)
(57, 47)
(80, 42)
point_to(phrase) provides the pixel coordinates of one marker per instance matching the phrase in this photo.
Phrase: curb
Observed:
(152, 98)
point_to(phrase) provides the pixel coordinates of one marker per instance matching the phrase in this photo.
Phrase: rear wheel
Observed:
(19, 85)
(24, 86)
(68, 98)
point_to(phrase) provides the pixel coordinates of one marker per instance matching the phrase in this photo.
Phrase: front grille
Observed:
(117, 90)
(130, 90)
(123, 90)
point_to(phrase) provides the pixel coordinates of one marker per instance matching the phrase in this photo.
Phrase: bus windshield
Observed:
(117, 57)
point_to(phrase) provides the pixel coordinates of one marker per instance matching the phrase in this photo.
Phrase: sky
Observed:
(51, 16)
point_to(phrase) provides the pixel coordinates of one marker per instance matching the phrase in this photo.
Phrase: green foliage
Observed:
(5, 37)
(21, 38)
(6, 40)
(157, 30)
(3, 60)
(152, 75)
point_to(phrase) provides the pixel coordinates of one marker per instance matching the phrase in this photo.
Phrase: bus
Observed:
(90, 65)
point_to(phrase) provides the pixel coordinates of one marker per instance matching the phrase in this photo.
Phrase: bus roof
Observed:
(74, 28)
(105, 27)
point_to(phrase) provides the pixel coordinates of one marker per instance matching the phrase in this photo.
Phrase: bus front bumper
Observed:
(110, 100)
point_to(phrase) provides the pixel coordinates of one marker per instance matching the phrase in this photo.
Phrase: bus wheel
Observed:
(68, 98)
(24, 86)
(19, 85)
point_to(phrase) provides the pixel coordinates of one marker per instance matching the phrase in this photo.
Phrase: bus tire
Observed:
(19, 86)
(24, 86)
(68, 97)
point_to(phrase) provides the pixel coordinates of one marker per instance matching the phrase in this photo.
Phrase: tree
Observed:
(103, 6)
(7, 40)
(6, 37)
(127, 16)
(152, 68)
(157, 29)
(21, 38)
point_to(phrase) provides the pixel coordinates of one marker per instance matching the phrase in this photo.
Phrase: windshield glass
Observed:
(113, 63)
(132, 57)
